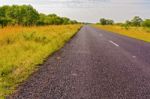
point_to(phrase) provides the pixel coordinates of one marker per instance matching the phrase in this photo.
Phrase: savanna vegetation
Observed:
(27, 38)
(24, 48)
(26, 15)
(136, 28)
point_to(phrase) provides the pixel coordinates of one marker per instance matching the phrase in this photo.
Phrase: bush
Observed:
(136, 21)
(104, 21)
(146, 23)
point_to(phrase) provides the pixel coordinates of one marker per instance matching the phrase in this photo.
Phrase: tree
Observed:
(128, 23)
(109, 22)
(26, 15)
(4, 21)
(29, 15)
(73, 22)
(4, 10)
(66, 20)
(103, 21)
(146, 23)
(136, 21)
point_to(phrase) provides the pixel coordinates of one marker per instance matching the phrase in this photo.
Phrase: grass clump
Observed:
(24, 48)
(140, 33)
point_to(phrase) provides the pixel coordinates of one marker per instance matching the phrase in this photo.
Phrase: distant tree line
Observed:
(26, 15)
(104, 21)
(136, 22)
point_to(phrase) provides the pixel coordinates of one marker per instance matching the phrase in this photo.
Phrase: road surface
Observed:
(95, 64)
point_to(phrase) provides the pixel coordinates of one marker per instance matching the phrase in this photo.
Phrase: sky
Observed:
(89, 10)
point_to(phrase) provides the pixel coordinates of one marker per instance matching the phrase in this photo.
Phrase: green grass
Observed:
(23, 49)
(140, 33)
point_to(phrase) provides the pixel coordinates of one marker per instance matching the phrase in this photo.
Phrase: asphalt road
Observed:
(95, 64)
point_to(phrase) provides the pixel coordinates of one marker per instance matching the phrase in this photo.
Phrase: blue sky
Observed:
(89, 10)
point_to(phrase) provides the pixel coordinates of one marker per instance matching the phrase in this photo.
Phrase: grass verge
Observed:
(133, 32)
(22, 49)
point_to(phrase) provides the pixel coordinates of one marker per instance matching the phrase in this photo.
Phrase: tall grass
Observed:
(22, 49)
(140, 33)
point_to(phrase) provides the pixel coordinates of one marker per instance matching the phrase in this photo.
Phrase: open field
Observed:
(24, 48)
(134, 32)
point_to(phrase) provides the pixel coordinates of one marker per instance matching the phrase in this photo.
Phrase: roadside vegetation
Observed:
(136, 28)
(26, 15)
(24, 48)
(27, 38)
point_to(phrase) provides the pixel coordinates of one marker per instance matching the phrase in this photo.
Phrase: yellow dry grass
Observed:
(22, 49)
(133, 32)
